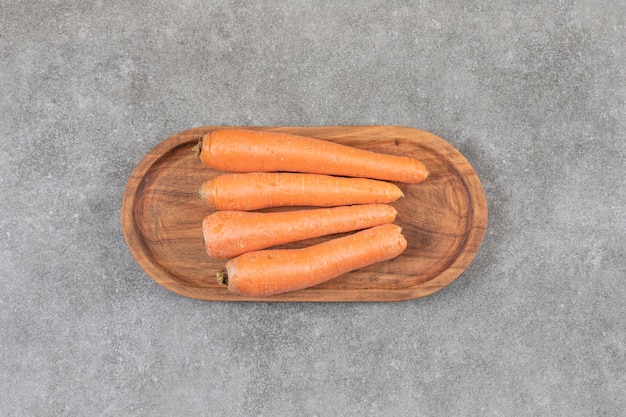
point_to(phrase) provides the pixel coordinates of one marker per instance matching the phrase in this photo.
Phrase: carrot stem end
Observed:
(222, 277)
(197, 149)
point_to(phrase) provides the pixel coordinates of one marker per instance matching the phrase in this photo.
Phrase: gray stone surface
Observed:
(533, 93)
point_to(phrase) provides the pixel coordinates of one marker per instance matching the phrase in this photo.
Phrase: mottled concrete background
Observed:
(533, 93)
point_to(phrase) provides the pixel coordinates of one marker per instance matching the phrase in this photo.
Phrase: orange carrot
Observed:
(230, 233)
(242, 150)
(274, 271)
(256, 190)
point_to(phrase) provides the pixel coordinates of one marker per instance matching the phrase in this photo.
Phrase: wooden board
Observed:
(443, 219)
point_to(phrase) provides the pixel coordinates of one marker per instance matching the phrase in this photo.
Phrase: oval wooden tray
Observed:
(443, 219)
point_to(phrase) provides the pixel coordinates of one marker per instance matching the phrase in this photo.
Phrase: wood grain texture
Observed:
(443, 219)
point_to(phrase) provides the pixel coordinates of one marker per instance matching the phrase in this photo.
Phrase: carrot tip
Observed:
(197, 148)
(222, 277)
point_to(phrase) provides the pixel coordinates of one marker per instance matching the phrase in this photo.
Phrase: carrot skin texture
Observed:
(268, 272)
(241, 150)
(228, 234)
(257, 190)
